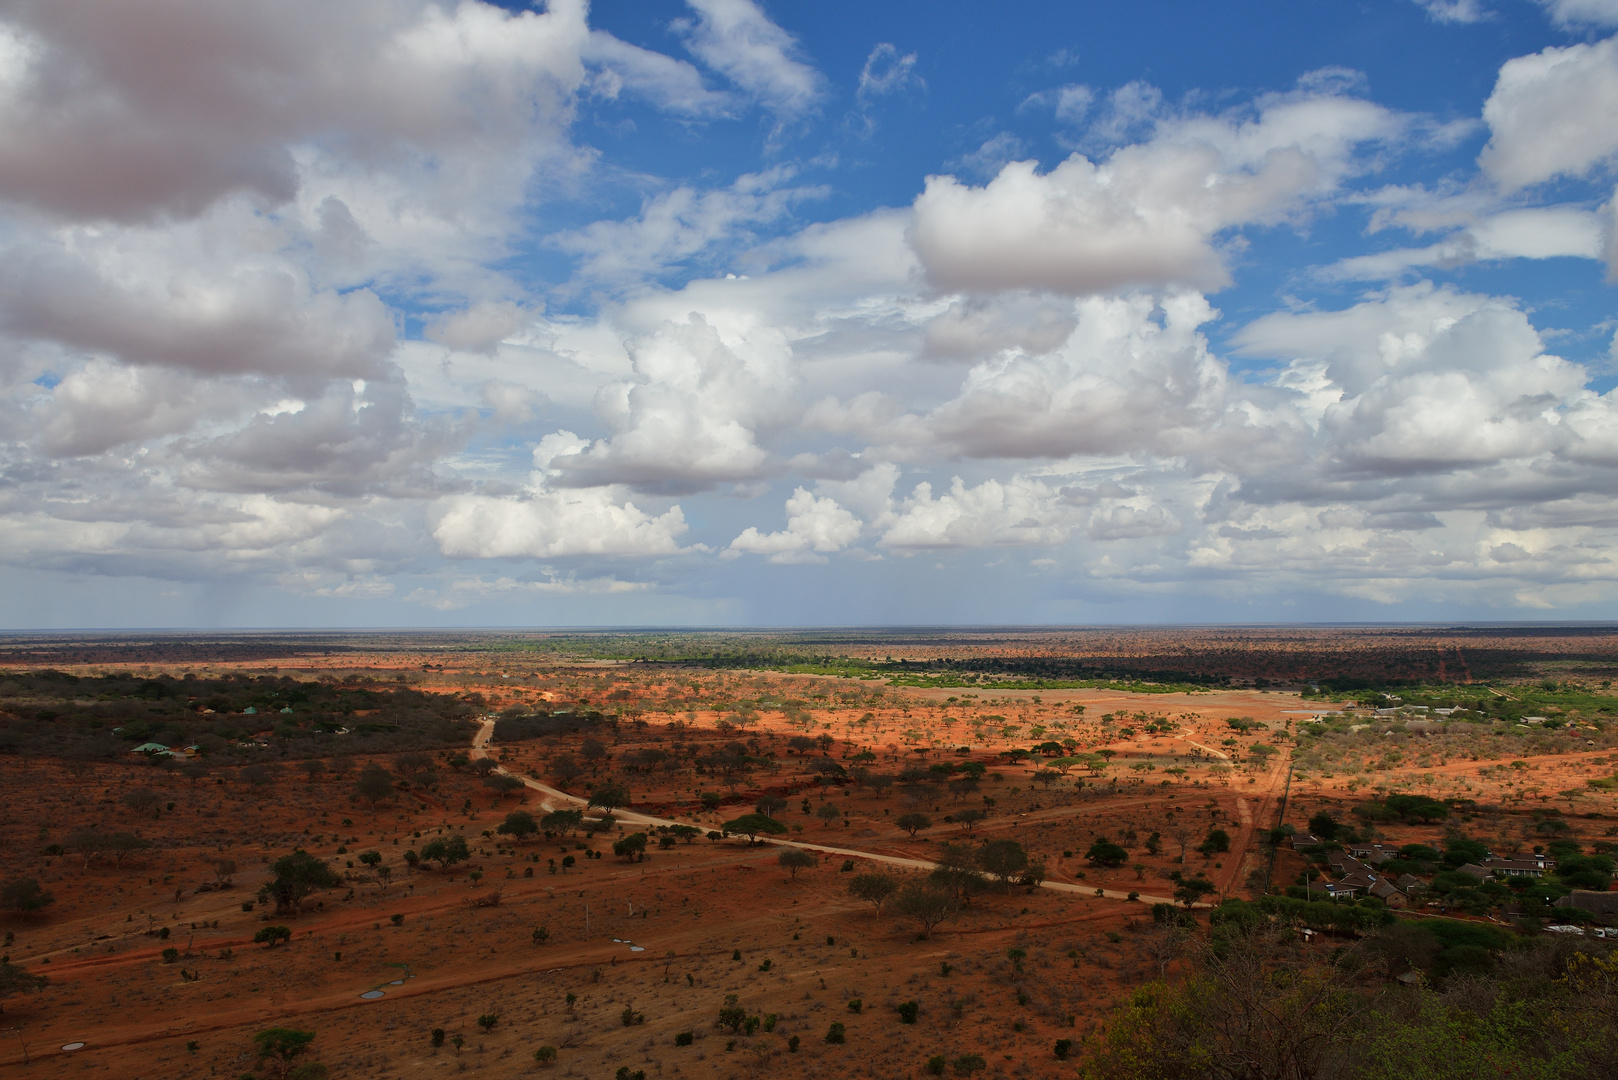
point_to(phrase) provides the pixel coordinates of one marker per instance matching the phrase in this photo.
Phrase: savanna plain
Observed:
(1242, 853)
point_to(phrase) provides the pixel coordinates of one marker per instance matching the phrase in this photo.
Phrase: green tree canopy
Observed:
(24, 895)
(296, 876)
(753, 825)
(957, 871)
(446, 852)
(632, 847)
(563, 821)
(926, 906)
(1004, 859)
(519, 824)
(913, 822)
(794, 859)
(15, 979)
(374, 784)
(282, 1044)
(1106, 853)
(610, 797)
(874, 888)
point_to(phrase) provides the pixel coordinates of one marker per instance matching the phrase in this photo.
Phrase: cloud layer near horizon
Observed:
(267, 318)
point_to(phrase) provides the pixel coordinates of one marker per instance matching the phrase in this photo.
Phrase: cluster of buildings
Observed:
(1357, 866)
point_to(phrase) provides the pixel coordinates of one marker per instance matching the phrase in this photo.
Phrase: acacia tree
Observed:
(557, 821)
(795, 859)
(122, 846)
(417, 768)
(594, 752)
(751, 825)
(85, 841)
(1191, 890)
(374, 784)
(1005, 859)
(968, 818)
(609, 798)
(1106, 853)
(565, 769)
(926, 906)
(503, 784)
(144, 801)
(631, 847)
(874, 888)
(15, 979)
(913, 822)
(446, 853)
(283, 1046)
(24, 895)
(957, 871)
(297, 876)
(519, 824)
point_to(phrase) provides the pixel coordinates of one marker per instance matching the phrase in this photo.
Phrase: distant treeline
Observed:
(57, 713)
(518, 726)
(1353, 657)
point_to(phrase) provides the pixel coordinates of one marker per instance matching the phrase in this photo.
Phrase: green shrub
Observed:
(967, 1064)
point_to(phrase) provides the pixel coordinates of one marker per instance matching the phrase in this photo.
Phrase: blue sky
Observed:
(712, 312)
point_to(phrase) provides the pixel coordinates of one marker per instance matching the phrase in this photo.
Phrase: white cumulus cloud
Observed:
(815, 526)
(1151, 212)
(554, 524)
(1552, 113)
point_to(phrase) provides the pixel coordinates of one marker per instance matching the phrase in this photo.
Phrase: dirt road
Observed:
(552, 797)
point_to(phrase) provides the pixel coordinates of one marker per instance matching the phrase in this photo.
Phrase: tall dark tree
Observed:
(446, 853)
(609, 798)
(874, 888)
(1005, 859)
(795, 859)
(913, 822)
(926, 906)
(144, 801)
(752, 825)
(24, 895)
(15, 979)
(374, 784)
(957, 871)
(519, 824)
(296, 876)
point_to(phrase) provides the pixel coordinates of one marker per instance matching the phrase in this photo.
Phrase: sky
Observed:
(393, 313)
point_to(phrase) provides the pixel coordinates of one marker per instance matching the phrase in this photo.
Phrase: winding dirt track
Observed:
(553, 796)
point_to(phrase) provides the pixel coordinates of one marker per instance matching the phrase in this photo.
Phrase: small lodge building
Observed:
(1526, 866)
